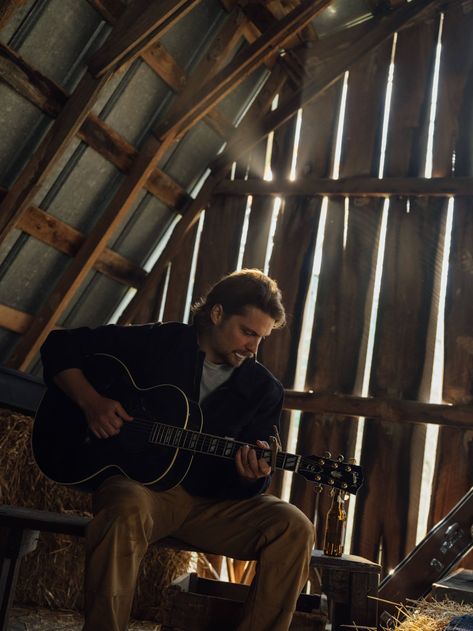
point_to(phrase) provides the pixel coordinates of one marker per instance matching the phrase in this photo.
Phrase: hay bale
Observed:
(428, 615)
(52, 576)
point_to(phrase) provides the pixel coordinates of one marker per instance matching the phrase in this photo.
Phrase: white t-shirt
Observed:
(213, 375)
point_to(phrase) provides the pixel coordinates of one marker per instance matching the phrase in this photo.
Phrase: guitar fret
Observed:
(168, 436)
(193, 441)
(177, 437)
(212, 446)
(228, 448)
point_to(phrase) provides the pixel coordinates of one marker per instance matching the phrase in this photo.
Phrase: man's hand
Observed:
(249, 468)
(105, 416)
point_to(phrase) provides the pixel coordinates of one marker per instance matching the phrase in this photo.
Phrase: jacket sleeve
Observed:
(267, 416)
(69, 348)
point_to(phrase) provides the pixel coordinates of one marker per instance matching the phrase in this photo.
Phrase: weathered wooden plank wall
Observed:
(219, 243)
(393, 455)
(454, 464)
(347, 262)
(315, 159)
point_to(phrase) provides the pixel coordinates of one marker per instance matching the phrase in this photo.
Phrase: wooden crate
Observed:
(192, 603)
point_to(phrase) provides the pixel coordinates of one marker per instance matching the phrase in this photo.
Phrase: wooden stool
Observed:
(347, 581)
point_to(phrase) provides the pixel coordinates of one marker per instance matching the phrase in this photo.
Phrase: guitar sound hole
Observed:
(134, 438)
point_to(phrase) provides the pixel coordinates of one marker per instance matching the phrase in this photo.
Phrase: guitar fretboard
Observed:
(197, 442)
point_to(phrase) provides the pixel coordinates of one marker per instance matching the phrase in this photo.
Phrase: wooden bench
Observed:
(20, 528)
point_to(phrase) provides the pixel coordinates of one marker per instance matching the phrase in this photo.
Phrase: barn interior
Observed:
(149, 148)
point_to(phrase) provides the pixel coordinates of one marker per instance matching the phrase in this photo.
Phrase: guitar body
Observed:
(68, 453)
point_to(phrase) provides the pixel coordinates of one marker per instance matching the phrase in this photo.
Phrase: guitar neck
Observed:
(208, 444)
(321, 470)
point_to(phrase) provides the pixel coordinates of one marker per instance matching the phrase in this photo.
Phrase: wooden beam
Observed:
(352, 187)
(63, 237)
(165, 66)
(215, 90)
(140, 25)
(49, 151)
(87, 255)
(69, 122)
(51, 98)
(322, 78)
(380, 408)
(14, 320)
(30, 83)
(158, 58)
(220, 50)
(141, 169)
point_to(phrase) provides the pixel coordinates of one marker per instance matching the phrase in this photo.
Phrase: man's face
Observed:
(234, 338)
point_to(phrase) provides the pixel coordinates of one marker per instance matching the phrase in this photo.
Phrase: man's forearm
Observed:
(75, 384)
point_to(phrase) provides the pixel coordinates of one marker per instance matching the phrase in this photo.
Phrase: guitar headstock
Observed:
(337, 474)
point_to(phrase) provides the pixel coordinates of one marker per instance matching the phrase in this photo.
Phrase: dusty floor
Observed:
(23, 619)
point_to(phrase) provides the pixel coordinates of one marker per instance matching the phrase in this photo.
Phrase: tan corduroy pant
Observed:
(129, 517)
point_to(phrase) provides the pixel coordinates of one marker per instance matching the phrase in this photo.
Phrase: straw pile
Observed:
(52, 575)
(428, 615)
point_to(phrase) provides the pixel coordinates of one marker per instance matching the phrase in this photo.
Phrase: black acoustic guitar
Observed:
(157, 447)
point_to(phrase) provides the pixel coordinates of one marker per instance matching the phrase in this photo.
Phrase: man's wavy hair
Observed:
(246, 288)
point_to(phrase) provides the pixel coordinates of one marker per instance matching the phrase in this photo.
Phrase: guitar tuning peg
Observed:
(327, 455)
(341, 458)
(318, 488)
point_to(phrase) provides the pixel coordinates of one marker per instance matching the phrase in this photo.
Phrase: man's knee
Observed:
(294, 525)
(302, 529)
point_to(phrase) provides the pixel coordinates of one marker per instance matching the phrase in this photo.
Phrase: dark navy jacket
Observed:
(245, 407)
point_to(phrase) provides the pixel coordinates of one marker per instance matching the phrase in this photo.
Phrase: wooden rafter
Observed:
(141, 24)
(51, 98)
(87, 255)
(324, 76)
(215, 90)
(160, 60)
(353, 187)
(66, 239)
(165, 66)
(381, 408)
(14, 320)
(143, 166)
(63, 237)
(51, 148)
(65, 127)
(50, 230)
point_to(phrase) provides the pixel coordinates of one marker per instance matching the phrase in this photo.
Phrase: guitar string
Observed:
(205, 442)
(147, 426)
